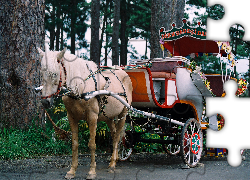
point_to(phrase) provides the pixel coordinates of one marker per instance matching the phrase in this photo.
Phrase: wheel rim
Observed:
(125, 149)
(191, 146)
(173, 149)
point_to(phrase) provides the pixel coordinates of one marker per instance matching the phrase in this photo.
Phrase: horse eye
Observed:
(54, 75)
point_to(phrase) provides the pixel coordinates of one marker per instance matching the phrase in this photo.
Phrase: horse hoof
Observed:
(69, 176)
(111, 170)
(91, 176)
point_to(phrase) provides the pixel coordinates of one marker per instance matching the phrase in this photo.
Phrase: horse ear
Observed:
(40, 52)
(61, 54)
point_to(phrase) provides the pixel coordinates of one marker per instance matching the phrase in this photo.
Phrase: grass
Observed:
(20, 144)
(35, 141)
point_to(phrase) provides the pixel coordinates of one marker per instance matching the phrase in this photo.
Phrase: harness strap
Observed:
(60, 81)
(93, 76)
(121, 85)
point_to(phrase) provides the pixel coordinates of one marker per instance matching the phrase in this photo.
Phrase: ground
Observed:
(140, 166)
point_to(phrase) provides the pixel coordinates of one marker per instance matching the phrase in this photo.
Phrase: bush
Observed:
(19, 144)
(35, 141)
(147, 147)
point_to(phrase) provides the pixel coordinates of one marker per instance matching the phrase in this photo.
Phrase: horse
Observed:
(79, 76)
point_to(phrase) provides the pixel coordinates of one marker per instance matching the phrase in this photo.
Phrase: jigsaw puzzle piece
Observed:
(236, 12)
(234, 110)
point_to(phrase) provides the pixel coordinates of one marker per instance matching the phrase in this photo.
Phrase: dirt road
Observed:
(141, 166)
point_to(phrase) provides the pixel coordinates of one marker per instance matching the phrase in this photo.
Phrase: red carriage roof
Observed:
(186, 40)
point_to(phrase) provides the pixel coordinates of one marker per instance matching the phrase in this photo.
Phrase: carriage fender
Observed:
(187, 91)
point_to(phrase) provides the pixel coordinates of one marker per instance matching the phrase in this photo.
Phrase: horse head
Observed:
(51, 76)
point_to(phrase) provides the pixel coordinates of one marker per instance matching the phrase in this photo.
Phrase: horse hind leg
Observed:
(116, 139)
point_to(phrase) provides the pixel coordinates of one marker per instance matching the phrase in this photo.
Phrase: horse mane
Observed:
(77, 70)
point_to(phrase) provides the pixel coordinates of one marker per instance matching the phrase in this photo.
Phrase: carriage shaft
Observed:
(92, 94)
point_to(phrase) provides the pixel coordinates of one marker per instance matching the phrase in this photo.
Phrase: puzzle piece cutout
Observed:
(234, 135)
(236, 12)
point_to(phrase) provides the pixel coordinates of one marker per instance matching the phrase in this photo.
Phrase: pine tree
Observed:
(22, 25)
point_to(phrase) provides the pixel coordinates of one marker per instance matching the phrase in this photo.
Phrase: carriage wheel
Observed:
(191, 142)
(125, 149)
(172, 149)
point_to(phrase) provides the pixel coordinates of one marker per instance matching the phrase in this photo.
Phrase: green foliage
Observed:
(147, 147)
(201, 3)
(67, 16)
(209, 64)
(35, 141)
(216, 12)
(19, 144)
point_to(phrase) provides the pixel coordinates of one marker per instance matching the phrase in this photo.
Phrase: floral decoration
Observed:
(242, 86)
(228, 49)
(161, 43)
(221, 121)
(194, 68)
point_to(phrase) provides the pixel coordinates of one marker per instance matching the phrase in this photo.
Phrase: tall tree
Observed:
(95, 25)
(135, 23)
(73, 19)
(115, 35)
(123, 35)
(22, 24)
(67, 16)
(164, 14)
(50, 21)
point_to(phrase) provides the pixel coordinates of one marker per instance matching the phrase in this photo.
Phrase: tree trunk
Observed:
(164, 14)
(115, 35)
(58, 25)
(95, 24)
(62, 42)
(104, 25)
(52, 29)
(72, 26)
(106, 48)
(124, 38)
(23, 29)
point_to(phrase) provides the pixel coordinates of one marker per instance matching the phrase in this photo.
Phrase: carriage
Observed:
(168, 98)
(164, 96)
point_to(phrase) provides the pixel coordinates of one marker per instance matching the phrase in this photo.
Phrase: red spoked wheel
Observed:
(191, 142)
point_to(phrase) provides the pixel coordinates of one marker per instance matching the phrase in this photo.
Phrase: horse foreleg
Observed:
(92, 146)
(74, 130)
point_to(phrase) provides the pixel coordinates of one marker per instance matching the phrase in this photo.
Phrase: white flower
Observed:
(197, 69)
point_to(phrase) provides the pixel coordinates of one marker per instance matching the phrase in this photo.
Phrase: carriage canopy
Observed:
(186, 40)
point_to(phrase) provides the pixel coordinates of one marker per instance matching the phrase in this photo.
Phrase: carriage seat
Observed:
(163, 75)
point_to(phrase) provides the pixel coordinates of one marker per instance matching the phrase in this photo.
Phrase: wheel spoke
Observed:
(191, 146)
(125, 147)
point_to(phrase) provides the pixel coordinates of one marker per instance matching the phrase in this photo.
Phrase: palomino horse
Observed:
(80, 76)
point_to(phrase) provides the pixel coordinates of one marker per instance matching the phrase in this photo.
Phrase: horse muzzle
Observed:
(47, 103)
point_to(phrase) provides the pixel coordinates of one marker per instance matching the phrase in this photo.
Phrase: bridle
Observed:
(60, 81)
